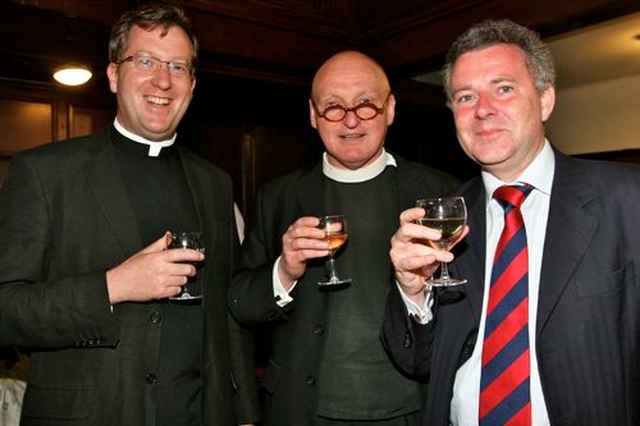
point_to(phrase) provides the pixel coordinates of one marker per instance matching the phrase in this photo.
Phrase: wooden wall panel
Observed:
(24, 125)
(273, 151)
(220, 143)
(86, 120)
(33, 114)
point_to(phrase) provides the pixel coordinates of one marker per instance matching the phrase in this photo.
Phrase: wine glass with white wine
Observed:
(336, 235)
(449, 215)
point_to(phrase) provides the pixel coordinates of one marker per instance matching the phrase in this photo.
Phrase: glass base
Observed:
(186, 296)
(445, 282)
(335, 281)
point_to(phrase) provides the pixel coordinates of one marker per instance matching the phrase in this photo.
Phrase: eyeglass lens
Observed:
(364, 111)
(152, 64)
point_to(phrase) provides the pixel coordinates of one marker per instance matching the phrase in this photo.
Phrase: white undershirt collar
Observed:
(362, 174)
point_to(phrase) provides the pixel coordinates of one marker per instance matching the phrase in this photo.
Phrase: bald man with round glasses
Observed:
(327, 365)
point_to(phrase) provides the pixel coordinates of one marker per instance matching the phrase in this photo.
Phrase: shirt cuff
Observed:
(280, 294)
(421, 314)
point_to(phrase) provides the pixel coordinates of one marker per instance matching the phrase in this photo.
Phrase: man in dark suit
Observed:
(582, 312)
(327, 366)
(85, 273)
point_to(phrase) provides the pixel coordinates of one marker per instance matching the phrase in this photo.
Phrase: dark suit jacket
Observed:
(64, 220)
(298, 328)
(589, 302)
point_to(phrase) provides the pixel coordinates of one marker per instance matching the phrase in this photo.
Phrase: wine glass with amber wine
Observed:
(335, 228)
(449, 215)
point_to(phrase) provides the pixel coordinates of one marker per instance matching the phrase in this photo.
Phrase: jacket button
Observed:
(408, 341)
(311, 381)
(319, 330)
(155, 317)
(151, 378)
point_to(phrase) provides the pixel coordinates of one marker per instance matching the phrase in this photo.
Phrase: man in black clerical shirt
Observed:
(327, 365)
(85, 273)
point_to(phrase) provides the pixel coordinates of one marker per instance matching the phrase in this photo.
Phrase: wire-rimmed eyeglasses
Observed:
(151, 64)
(364, 111)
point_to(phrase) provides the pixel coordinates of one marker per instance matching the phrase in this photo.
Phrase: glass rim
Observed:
(439, 198)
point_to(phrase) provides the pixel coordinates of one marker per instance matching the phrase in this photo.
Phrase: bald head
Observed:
(357, 85)
(348, 68)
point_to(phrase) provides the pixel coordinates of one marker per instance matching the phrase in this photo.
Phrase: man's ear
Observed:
(547, 102)
(112, 75)
(312, 115)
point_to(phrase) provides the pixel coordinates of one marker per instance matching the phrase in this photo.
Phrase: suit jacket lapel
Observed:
(471, 253)
(406, 187)
(569, 232)
(105, 180)
(310, 192)
(199, 183)
(204, 193)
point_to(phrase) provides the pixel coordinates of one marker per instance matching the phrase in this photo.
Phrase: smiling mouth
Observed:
(352, 136)
(157, 100)
(488, 132)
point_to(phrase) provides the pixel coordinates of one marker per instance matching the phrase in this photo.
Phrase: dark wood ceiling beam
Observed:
(230, 37)
(284, 40)
(422, 46)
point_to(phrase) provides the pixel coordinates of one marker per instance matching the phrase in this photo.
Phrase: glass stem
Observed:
(444, 271)
(331, 267)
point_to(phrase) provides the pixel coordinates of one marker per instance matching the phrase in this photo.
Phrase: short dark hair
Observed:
(149, 17)
(538, 57)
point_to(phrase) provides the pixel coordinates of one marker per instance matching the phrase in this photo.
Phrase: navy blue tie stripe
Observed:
(508, 299)
(507, 356)
(504, 394)
(505, 414)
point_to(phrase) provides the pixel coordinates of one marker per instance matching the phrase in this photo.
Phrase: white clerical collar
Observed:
(362, 174)
(154, 146)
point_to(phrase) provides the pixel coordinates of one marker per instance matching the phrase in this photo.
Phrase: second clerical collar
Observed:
(363, 174)
(154, 146)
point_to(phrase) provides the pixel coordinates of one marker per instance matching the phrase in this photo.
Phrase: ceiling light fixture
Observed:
(72, 75)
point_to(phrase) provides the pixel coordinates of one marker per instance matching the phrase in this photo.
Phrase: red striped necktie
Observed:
(504, 386)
